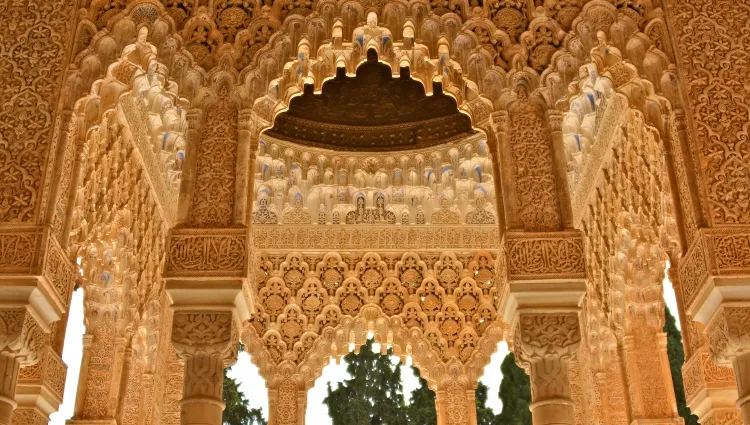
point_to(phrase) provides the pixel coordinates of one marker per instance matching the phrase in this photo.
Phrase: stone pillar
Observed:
(728, 334)
(714, 269)
(287, 401)
(741, 364)
(455, 403)
(544, 343)
(34, 271)
(40, 388)
(21, 342)
(207, 341)
(206, 266)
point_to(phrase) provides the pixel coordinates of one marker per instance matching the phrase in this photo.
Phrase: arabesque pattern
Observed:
(133, 162)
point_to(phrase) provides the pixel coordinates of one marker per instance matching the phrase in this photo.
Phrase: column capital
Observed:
(546, 336)
(20, 335)
(207, 332)
(728, 332)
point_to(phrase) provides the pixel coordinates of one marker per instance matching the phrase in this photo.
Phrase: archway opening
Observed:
(371, 385)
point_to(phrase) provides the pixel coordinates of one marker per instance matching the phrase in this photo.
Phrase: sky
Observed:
(247, 376)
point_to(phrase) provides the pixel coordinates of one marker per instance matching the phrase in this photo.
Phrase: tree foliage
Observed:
(676, 355)
(515, 393)
(421, 409)
(485, 415)
(236, 411)
(373, 395)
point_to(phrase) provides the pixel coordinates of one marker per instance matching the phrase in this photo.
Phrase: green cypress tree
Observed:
(676, 355)
(421, 409)
(515, 393)
(372, 396)
(485, 415)
(236, 411)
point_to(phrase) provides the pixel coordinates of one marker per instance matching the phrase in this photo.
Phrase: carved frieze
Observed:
(49, 373)
(207, 252)
(705, 30)
(715, 252)
(545, 255)
(391, 237)
(700, 373)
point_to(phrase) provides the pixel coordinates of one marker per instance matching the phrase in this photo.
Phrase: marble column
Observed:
(207, 341)
(544, 343)
(21, 343)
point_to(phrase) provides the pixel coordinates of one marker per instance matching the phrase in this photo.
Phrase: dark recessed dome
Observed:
(372, 111)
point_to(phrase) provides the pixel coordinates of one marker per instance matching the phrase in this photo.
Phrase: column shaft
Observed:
(9, 366)
(741, 365)
(202, 397)
(550, 392)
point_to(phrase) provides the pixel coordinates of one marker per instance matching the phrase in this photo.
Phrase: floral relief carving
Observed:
(534, 177)
(213, 198)
(19, 251)
(337, 297)
(704, 32)
(728, 333)
(32, 57)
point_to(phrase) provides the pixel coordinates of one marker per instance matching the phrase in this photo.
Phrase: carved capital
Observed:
(207, 252)
(43, 383)
(729, 333)
(541, 336)
(20, 335)
(545, 255)
(707, 384)
(205, 332)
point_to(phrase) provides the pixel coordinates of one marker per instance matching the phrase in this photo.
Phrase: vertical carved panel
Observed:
(32, 56)
(712, 44)
(213, 199)
(533, 168)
